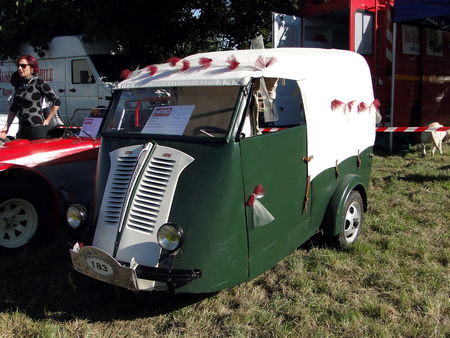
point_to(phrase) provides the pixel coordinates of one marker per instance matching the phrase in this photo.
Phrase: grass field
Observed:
(393, 282)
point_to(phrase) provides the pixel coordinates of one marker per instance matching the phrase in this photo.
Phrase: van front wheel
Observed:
(352, 219)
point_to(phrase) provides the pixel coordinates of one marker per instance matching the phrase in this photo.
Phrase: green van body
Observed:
(224, 240)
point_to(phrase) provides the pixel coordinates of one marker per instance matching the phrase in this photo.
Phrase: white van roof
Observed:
(336, 90)
(288, 63)
(69, 46)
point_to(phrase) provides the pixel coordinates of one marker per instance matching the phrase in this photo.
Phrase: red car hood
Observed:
(33, 153)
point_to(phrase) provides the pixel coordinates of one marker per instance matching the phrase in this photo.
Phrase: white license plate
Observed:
(98, 264)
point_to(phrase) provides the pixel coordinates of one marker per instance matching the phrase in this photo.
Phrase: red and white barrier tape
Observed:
(410, 129)
(271, 130)
(383, 129)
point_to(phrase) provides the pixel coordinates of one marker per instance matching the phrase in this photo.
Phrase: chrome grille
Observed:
(149, 194)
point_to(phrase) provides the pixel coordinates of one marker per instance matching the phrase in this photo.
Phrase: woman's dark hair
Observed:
(31, 61)
(16, 79)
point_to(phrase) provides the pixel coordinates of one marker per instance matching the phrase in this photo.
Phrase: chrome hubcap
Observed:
(352, 221)
(18, 223)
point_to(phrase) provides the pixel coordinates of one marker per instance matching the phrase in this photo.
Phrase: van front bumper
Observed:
(98, 264)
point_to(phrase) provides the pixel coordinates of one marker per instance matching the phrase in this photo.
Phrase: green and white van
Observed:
(215, 167)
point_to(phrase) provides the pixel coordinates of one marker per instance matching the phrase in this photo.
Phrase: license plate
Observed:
(98, 264)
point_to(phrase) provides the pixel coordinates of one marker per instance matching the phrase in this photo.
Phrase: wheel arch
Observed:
(330, 225)
(37, 182)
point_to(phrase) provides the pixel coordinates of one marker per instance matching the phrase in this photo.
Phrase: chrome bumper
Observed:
(98, 264)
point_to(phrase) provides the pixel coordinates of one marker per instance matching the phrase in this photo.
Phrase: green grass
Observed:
(393, 283)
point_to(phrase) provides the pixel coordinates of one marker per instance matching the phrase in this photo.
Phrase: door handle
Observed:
(61, 90)
(73, 90)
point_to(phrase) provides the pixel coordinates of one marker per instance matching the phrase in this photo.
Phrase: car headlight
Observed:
(170, 237)
(76, 215)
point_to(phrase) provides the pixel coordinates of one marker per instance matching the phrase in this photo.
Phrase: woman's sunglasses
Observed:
(23, 65)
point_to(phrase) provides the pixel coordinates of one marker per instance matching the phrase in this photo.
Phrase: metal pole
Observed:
(394, 59)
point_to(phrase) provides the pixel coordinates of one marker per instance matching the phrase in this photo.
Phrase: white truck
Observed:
(81, 73)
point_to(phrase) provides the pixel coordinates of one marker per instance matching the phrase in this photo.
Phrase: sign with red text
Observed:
(168, 120)
(90, 127)
(45, 74)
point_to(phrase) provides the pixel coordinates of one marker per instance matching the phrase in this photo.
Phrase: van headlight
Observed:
(170, 237)
(76, 215)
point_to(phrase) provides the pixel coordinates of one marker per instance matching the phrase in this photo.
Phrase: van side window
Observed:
(81, 72)
(276, 103)
(289, 104)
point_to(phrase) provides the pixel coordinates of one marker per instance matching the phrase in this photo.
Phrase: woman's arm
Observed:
(11, 115)
(9, 120)
(51, 114)
(50, 95)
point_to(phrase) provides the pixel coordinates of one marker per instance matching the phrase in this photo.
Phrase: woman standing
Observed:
(30, 90)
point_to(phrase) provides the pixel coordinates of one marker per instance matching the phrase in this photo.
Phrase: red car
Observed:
(40, 179)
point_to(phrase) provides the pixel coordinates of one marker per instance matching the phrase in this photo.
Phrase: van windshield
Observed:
(178, 111)
(109, 66)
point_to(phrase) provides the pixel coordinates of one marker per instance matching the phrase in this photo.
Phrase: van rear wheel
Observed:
(351, 220)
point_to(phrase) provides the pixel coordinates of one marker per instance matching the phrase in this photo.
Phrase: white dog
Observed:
(434, 137)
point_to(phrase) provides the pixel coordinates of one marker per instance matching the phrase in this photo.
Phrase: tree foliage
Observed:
(149, 32)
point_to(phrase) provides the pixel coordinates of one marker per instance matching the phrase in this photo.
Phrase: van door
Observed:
(276, 159)
(81, 86)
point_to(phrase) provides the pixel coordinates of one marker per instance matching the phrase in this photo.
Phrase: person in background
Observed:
(98, 111)
(30, 90)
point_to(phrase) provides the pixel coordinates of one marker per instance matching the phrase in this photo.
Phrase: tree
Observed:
(149, 33)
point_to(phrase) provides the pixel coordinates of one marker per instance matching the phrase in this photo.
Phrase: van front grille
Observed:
(121, 177)
(137, 200)
(149, 194)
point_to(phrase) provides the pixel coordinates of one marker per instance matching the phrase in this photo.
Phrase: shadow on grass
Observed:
(319, 241)
(41, 283)
(419, 178)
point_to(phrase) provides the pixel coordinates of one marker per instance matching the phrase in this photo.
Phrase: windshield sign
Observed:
(178, 111)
